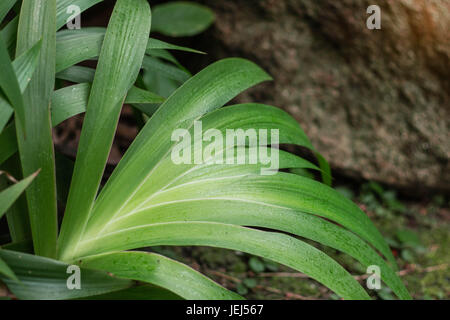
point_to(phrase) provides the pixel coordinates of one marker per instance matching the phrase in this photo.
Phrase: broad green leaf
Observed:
(37, 21)
(46, 279)
(10, 84)
(10, 195)
(118, 66)
(181, 18)
(5, 6)
(274, 246)
(161, 271)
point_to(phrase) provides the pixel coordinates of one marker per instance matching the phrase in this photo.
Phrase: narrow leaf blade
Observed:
(119, 63)
(37, 21)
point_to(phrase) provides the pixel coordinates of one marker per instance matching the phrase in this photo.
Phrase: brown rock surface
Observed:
(374, 102)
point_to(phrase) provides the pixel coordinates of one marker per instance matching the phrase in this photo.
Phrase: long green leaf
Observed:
(160, 271)
(119, 64)
(274, 246)
(46, 279)
(37, 21)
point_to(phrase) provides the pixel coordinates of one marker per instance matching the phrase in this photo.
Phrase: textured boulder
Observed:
(374, 102)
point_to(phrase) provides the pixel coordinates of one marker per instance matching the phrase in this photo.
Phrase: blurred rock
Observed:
(374, 102)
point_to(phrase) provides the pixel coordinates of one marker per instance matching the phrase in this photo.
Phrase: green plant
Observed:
(149, 201)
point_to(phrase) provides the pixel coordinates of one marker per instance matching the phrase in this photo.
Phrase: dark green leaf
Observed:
(180, 18)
